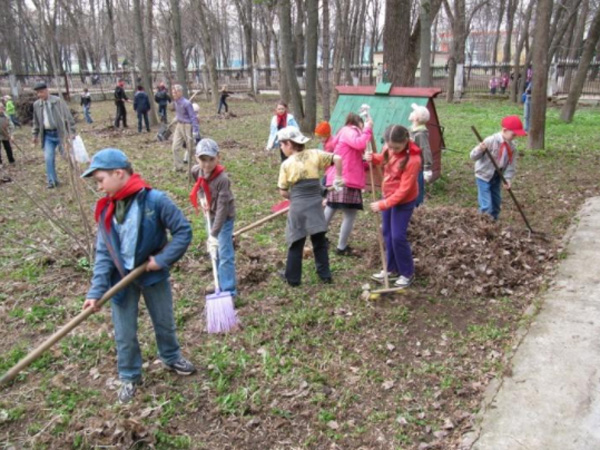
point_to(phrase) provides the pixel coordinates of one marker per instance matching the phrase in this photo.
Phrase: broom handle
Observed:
(261, 221)
(499, 172)
(213, 260)
(74, 322)
(386, 280)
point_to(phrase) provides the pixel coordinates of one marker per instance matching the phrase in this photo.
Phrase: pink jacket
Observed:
(351, 145)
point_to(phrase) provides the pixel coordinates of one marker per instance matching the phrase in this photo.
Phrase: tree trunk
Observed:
(541, 63)
(112, 41)
(568, 110)
(178, 41)
(511, 9)
(287, 45)
(207, 33)
(326, 49)
(577, 41)
(516, 87)
(149, 32)
(396, 36)
(146, 72)
(425, 15)
(501, 8)
(312, 45)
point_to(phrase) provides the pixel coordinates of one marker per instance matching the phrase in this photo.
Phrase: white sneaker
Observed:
(403, 282)
(380, 277)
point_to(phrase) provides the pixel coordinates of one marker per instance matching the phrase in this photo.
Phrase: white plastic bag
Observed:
(79, 151)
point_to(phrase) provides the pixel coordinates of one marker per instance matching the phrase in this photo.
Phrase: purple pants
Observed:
(395, 226)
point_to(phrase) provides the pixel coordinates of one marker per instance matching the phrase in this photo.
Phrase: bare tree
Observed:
(178, 47)
(460, 21)
(326, 100)
(287, 52)
(517, 88)
(541, 38)
(425, 16)
(593, 38)
(143, 54)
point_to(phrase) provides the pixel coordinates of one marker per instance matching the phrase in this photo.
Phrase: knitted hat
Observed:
(323, 129)
(419, 114)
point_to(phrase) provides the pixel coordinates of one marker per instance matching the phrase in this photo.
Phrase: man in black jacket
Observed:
(162, 97)
(120, 99)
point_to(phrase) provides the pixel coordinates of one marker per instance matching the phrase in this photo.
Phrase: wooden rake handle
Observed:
(73, 323)
(261, 221)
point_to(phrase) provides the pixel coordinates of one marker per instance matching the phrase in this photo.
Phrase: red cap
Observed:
(323, 129)
(514, 124)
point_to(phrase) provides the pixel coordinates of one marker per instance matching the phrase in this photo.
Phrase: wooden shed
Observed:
(391, 106)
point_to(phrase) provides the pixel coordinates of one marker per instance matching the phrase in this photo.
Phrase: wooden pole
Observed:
(261, 221)
(73, 323)
(386, 280)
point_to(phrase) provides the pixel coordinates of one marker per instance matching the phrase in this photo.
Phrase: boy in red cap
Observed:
(503, 150)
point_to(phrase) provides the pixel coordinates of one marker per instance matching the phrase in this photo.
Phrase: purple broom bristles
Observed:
(220, 313)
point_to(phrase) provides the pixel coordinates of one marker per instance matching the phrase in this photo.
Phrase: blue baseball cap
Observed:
(107, 159)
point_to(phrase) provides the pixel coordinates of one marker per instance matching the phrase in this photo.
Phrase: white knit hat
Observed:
(419, 114)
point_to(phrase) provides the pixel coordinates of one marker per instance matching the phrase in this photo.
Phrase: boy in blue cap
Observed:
(133, 220)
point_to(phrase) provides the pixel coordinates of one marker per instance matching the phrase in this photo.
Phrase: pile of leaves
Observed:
(459, 252)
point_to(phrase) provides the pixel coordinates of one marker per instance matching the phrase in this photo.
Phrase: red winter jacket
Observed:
(399, 185)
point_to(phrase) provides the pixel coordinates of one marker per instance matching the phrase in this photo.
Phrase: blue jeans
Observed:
(162, 112)
(226, 259)
(489, 196)
(222, 104)
(86, 113)
(395, 227)
(140, 116)
(527, 113)
(15, 121)
(51, 142)
(159, 302)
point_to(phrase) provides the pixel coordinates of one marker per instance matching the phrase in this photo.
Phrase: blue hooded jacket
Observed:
(157, 215)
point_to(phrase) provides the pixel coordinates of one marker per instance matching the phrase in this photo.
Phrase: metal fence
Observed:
(477, 79)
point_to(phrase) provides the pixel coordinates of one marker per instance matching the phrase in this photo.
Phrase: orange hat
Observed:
(323, 129)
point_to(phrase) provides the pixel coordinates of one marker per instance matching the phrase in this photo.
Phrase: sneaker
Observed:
(403, 282)
(182, 366)
(327, 280)
(380, 277)
(127, 392)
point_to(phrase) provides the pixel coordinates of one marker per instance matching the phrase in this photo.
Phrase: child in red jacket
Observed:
(401, 159)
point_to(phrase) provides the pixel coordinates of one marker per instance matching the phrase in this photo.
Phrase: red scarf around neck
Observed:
(281, 121)
(509, 151)
(133, 186)
(202, 182)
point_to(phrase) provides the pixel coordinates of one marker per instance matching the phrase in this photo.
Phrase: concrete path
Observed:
(552, 399)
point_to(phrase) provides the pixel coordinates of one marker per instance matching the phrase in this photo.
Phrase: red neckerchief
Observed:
(281, 121)
(133, 186)
(508, 151)
(202, 182)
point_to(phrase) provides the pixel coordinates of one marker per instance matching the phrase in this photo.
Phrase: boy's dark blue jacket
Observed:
(141, 102)
(157, 215)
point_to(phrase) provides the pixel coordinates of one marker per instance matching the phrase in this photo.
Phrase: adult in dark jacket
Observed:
(141, 105)
(163, 98)
(120, 99)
